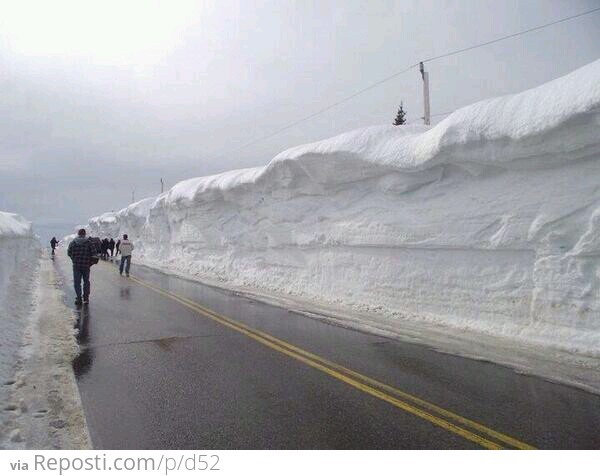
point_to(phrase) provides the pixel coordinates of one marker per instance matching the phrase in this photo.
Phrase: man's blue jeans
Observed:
(125, 259)
(81, 273)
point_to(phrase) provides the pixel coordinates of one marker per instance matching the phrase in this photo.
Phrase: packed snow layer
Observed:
(19, 257)
(44, 402)
(489, 221)
(14, 226)
(66, 240)
(18, 252)
(39, 402)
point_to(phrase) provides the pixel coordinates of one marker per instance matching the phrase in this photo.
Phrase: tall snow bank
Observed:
(14, 226)
(19, 256)
(488, 221)
(16, 241)
(66, 240)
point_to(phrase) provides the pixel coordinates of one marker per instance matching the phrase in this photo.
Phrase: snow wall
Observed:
(19, 258)
(19, 249)
(489, 221)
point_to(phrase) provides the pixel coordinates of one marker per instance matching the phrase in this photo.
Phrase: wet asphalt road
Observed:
(154, 373)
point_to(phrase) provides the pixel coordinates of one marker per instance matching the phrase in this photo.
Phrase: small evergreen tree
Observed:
(401, 116)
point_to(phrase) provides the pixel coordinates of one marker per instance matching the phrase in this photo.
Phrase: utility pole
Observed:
(162, 185)
(426, 112)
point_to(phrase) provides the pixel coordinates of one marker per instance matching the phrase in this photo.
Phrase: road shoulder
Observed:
(47, 405)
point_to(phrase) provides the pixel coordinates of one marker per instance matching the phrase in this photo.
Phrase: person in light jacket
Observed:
(126, 248)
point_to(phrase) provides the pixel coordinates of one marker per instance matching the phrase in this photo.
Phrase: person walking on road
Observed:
(53, 243)
(111, 247)
(117, 247)
(82, 252)
(126, 248)
(104, 249)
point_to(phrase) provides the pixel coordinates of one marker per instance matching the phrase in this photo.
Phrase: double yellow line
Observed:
(464, 427)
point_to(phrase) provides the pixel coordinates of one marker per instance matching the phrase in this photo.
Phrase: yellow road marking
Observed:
(355, 379)
(465, 421)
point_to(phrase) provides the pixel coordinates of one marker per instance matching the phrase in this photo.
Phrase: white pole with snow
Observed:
(426, 107)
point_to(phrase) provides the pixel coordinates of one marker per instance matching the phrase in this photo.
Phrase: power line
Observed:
(320, 111)
(545, 25)
(399, 73)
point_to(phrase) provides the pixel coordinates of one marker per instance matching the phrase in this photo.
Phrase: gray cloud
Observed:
(78, 134)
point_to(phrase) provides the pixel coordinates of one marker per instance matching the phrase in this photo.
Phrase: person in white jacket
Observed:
(126, 248)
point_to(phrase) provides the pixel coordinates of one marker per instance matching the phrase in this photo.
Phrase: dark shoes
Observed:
(78, 302)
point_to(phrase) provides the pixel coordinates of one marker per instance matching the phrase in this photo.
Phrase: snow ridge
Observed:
(487, 222)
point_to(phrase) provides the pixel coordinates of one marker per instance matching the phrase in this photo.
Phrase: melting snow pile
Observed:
(489, 221)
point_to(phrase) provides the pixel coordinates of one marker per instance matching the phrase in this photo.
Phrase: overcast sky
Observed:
(100, 98)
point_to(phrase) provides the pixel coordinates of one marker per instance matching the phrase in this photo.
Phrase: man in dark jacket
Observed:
(82, 252)
(53, 243)
(111, 247)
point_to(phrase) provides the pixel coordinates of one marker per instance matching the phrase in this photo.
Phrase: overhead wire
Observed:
(399, 73)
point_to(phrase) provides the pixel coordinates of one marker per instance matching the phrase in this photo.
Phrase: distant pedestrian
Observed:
(104, 249)
(53, 243)
(82, 252)
(126, 248)
(111, 247)
(97, 242)
(117, 247)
